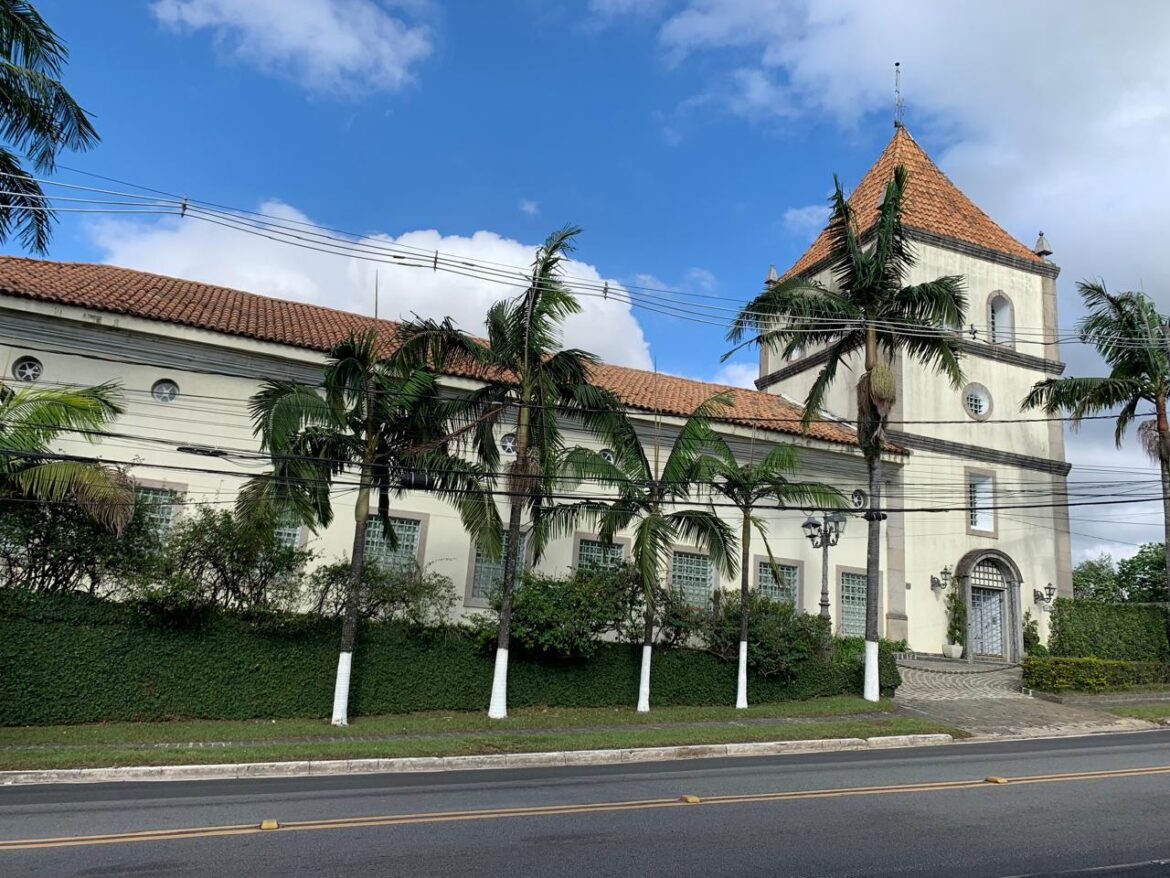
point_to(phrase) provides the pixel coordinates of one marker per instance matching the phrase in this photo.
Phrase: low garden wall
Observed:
(72, 659)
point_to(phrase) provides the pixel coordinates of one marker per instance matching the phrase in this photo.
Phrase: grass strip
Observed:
(1149, 712)
(471, 744)
(423, 723)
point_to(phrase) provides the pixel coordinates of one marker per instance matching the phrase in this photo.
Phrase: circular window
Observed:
(27, 369)
(508, 444)
(165, 390)
(607, 455)
(977, 401)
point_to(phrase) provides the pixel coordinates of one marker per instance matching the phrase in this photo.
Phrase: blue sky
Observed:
(516, 102)
(694, 140)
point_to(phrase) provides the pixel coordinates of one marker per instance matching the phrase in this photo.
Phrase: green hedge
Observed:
(74, 659)
(1049, 674)
(1127, 632)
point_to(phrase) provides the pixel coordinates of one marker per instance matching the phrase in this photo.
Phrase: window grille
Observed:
(595, 555)
(159, 507)
(691, 578)
(406, 530)
(488, 574)
(981, 512)
(784, 590)
(853, 604)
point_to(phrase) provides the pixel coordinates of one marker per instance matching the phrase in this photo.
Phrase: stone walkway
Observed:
(985, 700)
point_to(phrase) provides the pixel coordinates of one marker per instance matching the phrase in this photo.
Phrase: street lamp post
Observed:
(824, 533)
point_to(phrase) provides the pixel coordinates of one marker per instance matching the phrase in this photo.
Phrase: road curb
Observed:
(322, 767)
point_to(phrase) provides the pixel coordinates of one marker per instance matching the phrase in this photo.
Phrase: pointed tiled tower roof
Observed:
(934, 207)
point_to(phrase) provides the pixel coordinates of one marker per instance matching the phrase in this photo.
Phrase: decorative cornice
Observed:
(1000, 354)
(974, 348)
(979, 452)
(946, 242)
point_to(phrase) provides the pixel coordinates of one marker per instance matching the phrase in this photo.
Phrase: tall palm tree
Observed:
(645, 493)
(531, 386)
(752, 485)
(1132, 338)
(38, 116)
(870, 309)
(31, 419)
(371, 414)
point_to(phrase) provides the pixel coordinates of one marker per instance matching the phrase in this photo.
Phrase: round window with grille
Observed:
(977, 401)
(508, 443)
(27, 369)
(607, 455)
(165, 391)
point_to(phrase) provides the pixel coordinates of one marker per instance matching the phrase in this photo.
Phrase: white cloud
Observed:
(529, 207)
(213, 254)
(738, 375)
(806, 222)
(1050, 114)
(328, 46)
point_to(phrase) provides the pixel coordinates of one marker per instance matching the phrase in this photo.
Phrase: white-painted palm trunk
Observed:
(498, 706)
(644, 680)
(741, 686)
(871, 691)
(341, 690)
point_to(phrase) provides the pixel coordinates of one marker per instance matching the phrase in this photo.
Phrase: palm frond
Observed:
(708, 531)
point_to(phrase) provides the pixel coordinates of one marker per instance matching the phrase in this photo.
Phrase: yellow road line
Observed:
(551, 810)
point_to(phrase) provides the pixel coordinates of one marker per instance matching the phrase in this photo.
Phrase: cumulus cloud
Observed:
(328, 46)
(806, 222)
(738, 375)
(1050, 114)
(213, 254)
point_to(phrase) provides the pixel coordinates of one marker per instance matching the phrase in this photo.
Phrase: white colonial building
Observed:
(967, 447)
(189, 355)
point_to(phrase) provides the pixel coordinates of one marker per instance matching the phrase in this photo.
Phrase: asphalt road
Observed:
(1070, 805)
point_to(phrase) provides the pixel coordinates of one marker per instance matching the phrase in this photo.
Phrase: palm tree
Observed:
(530, 382)
(1132, 338)
(38, 116)
(31, 419)
(644, 493)
(371, 414)
(748, 487)
(870, 310)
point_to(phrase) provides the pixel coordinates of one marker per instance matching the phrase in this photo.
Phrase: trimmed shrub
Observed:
(1050, 674)
(780, 639)
(1125, 632)
(71, 658)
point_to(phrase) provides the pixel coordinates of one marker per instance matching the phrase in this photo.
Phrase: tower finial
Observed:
(899, 106)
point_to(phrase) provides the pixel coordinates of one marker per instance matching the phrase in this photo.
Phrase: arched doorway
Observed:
(990, 583)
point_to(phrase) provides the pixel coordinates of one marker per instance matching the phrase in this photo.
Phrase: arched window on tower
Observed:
(1000, 322)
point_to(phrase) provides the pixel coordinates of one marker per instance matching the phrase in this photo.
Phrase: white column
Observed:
(498, 707)
(644, 680)
(741, 686)
(871, 691)
(341, 690)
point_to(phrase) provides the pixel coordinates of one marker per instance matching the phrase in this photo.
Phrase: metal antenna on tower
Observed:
(899, 106)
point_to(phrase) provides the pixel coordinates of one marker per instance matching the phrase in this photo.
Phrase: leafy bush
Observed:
(567, 616)
(780, 638)
(212, 558)
(407, 594)
(57, 547)
(1032, 644)
(71, 658)
(1053, 674)
(1128, 632)
(956, 616)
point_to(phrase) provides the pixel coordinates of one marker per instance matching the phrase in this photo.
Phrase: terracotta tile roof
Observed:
(232, 312)
(933, 204)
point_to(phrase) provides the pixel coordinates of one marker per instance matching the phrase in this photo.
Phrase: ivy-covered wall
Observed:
(73, 659)
(1125, 632)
